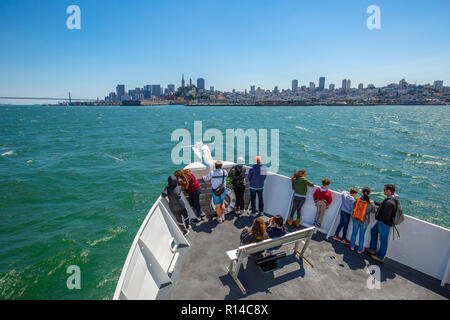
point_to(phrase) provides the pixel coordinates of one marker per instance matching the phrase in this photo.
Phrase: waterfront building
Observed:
(200, 83)
(294, 85)
(156, 90)
(112, 96)
(321, 83)
(120, 91)
(438, 85)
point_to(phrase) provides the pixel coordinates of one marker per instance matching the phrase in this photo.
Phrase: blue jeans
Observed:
(383, 230)
(358, 225)
(194, 200)
(345, 219)
(253, 194)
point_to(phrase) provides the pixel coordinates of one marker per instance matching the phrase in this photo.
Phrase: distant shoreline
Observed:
(226, 105)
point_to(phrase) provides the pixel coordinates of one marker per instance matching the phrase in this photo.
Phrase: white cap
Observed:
(240, 160)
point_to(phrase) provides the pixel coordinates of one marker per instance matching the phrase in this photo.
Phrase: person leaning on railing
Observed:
(385, 220)
(300, 186)
(176, 204)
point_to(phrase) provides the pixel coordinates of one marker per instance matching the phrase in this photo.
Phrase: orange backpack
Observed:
(360, 209)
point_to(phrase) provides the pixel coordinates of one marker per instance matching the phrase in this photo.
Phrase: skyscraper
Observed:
(360, 86)
(332, 87)
(183, 83)
(252, 89)
(156, 90)
(349, 84)
(211, 89)
(294, 85)
(200, 83)
(120, 90)
(344, 84)
(321, 83)
(275, 90)
(171, 87)
(312, 85)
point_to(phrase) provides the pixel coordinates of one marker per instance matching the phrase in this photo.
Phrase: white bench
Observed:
(237, 256)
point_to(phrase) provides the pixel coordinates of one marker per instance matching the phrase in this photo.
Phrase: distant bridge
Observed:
(69, 98)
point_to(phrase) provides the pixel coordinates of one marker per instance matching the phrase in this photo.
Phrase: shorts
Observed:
(218, 199)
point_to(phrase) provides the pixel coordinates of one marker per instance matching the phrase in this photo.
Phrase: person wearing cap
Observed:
(256, 176)
(218, 179)
(237, 176)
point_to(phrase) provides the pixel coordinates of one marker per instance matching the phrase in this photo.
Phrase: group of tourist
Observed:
(359, 210)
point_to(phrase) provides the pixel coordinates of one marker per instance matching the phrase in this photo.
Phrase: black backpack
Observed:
(239, 177)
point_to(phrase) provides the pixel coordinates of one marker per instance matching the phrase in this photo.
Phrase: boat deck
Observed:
(338, 272)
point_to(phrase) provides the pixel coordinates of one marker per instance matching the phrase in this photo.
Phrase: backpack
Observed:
(239, 177)
(398, 218)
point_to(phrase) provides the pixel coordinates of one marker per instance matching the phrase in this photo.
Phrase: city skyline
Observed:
(231, 44)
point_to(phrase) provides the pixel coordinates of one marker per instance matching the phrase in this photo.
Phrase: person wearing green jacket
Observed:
(300, 186)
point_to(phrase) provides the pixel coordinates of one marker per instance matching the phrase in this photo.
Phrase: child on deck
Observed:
(348, 203)
(275, 227)
(322, 199)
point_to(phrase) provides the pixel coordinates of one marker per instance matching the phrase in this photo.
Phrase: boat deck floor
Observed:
(338, 272)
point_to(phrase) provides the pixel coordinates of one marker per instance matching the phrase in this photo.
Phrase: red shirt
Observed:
(323, 195)
(193, 183)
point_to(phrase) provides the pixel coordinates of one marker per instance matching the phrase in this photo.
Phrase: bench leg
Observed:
(233, 274)
(239, 284)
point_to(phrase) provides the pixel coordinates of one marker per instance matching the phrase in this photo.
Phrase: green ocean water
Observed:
(77, 182)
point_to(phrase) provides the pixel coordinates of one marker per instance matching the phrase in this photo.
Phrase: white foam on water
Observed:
(9, 153)
(304, 129)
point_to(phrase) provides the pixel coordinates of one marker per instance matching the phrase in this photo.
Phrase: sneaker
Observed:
(345, 241)
(337, 238)
(195, 220)
(238, 212)
(297, 223)
(319, 225)
(203, 216)
(253, 214)
(361, 251)
(219, 220)
(186, 233)
(374, 257)
(370, 252)
(352, 248)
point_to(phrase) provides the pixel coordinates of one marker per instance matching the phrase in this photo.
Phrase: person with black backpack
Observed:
(174, 193)
(237, 176)
(218, 184)
(385, 216)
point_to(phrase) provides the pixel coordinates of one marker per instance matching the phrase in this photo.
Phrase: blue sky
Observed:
(231, 43)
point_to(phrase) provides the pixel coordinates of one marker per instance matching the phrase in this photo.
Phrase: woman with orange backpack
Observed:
(364, 206)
